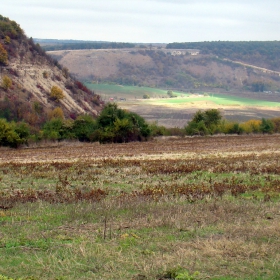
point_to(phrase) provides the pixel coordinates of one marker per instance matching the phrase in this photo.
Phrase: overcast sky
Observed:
(148, 21)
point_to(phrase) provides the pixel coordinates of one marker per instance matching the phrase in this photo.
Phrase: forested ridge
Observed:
(54, 45)
(263, 53)
(218, 66)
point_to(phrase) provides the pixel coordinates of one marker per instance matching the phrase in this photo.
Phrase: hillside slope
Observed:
(264, 54)
(167, 68)
(28, 76)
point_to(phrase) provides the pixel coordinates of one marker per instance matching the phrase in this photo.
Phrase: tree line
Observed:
(87, 45)
(115, 125)
(211, 122)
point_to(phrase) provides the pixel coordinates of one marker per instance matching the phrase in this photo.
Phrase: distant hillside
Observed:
(33, 84)
(263, 54)
(190, 69)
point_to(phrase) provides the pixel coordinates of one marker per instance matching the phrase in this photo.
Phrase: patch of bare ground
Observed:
(98, 63)
(55, 151)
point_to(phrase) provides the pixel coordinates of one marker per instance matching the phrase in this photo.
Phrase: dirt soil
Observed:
(161, 147)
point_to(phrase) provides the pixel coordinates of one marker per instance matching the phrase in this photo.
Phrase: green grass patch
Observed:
(129, 91)
(138, 92)
(149, 239)
(218, 99)
(242, 101)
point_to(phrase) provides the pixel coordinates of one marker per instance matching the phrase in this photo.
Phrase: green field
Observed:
(183, 98)
(125, 91)
(218, 99)
(176, 112)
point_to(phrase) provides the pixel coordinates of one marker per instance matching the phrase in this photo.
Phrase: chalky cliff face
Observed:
(33, 75)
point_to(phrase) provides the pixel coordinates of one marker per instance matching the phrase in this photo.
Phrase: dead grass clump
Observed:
(60, 195)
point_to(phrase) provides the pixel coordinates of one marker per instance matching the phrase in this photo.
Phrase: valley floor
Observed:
(179, 115)
(176, 112)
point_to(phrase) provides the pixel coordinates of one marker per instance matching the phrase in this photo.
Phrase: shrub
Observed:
(140, 127)
(45, 74)
(176, 131)
(251, 126)
(6, 82)
(266, 126)
(37, 107)
(12, 134)
(123, 128)
(196, 128)
(3, 55)
(118, 125)
(58, 129)
(231, 128)
(96, 100)
(84, 127)
(212, 117)
(23, 131)
(2, 277)
(82, 87)
(158, 130)
(51, 129)
(10, 28)
(103, 135)
(56, 93)
(56, 113)
(65, 72)
(171, 94)
(204, 123)
(7, 40)
(276, 124)
(180, 273)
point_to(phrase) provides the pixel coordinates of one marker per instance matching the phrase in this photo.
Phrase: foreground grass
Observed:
(195, 208)
(237, 239)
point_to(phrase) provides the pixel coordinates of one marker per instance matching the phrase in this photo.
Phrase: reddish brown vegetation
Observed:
(190, 169)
